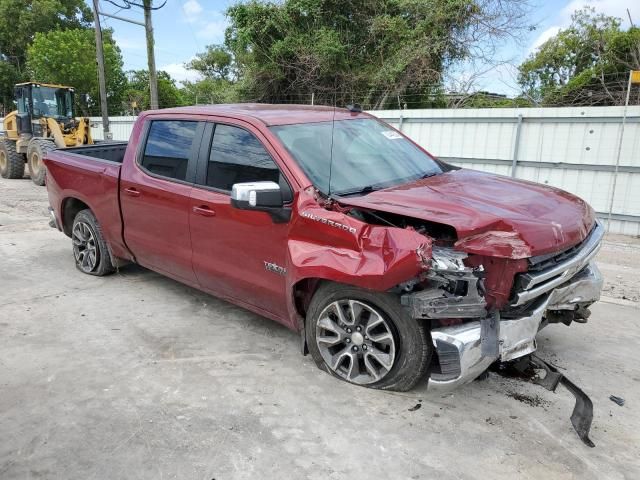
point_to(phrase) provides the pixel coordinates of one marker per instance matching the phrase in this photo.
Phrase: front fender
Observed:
(333, 246)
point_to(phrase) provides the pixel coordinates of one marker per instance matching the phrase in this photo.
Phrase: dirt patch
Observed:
(531, 400)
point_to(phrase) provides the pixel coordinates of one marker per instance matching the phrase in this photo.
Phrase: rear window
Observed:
(168, 148)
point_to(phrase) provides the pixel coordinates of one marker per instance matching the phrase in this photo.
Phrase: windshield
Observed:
(52, 102)
(367, 155)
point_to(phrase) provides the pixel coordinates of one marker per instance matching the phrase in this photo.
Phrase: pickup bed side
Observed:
(76, 180)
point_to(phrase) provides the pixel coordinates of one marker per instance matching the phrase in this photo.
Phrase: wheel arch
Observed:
(302, 293)
(70, 208)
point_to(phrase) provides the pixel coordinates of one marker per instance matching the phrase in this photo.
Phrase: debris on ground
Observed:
(415, 407)
(617, 400)
(531, 400)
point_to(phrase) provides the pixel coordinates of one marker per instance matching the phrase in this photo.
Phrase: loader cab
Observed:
(38, 100)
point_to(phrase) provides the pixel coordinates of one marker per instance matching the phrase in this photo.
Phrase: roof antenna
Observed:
(333, 124)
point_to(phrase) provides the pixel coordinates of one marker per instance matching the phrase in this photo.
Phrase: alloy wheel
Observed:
(356, 341)
(84, 247)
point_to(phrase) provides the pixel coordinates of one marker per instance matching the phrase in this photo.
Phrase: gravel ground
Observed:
(137, 376)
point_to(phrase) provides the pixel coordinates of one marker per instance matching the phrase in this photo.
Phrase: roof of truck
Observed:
(270, 114)
(40, 84)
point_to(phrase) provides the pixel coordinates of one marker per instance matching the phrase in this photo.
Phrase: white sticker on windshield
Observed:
(391, 134)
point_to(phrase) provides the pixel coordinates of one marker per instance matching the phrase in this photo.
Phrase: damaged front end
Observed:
(471, 329)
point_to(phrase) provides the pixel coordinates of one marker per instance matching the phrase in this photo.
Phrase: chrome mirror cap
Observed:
(248, 191)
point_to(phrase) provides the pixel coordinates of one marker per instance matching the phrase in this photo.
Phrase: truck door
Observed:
(155, 194)
(236, 253)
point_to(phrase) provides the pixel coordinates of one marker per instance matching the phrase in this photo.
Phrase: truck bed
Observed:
(109, 151)
(91, 175)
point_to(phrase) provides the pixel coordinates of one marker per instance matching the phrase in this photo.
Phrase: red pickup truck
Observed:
(394, 266)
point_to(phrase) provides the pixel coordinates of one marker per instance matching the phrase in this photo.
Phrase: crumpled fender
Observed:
(331, 245)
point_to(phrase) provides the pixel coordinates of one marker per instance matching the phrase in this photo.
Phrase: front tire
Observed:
(11, 162)
(36, 151)
(90, 250)
(366, 338)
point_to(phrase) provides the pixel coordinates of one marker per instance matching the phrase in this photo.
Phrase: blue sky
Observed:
(185, 27)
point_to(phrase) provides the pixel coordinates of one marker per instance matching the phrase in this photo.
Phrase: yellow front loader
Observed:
(43, 121)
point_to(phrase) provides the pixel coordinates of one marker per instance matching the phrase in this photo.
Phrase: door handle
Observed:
(204, 211)
(132, 192)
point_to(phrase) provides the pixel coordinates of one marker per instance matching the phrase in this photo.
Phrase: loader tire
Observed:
(11, 162)
(36, 151)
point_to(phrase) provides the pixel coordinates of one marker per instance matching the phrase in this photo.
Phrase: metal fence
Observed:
(573, 148)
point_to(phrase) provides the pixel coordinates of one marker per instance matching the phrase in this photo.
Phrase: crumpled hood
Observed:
(492, 215)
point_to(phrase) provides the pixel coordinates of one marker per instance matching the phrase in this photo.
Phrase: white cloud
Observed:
(208, 25)
(543, 37)
(614, 8)
(213, 30)
(192, 10)
(179, 73)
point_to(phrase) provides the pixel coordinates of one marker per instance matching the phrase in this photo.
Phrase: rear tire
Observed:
(11, 162)
(366, 338)
(36, 151)
(90, 250)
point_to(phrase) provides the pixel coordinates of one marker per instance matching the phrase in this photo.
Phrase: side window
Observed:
(238, 156)
(21, 100)
(168, 148)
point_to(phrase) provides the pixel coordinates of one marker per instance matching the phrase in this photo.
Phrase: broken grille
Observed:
(550, 271)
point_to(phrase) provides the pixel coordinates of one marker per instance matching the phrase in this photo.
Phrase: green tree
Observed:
(9, 76)
(367, 51)
(69, 57)
(19, 23)
(215, 63)
(586, 64)
(219, 77)
(210, 90)
(137, 94)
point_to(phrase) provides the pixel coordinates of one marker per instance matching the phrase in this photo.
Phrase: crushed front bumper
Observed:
(459, 348)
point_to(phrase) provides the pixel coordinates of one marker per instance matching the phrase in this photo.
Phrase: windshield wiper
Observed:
(427, 175)
(358, 191)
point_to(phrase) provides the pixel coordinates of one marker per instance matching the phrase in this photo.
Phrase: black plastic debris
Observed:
(617, 400)
(415, 407)
(582, 414)
(529, 368)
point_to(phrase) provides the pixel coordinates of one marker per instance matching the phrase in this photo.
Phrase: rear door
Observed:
(155, 195)
(236, 253)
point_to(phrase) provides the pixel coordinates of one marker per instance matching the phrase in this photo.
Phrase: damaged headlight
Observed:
(453, 289)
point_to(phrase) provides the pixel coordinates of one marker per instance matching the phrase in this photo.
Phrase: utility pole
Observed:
(101, 78)
(634, 78)
(153, 77)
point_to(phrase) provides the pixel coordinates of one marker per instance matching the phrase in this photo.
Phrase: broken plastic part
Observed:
(454, 289)
(582, 414)
(617, 400)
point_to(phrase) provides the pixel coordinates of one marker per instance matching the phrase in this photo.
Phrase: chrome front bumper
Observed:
(459, 348)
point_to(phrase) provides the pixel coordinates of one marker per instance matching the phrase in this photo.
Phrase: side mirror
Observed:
(264, 196)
